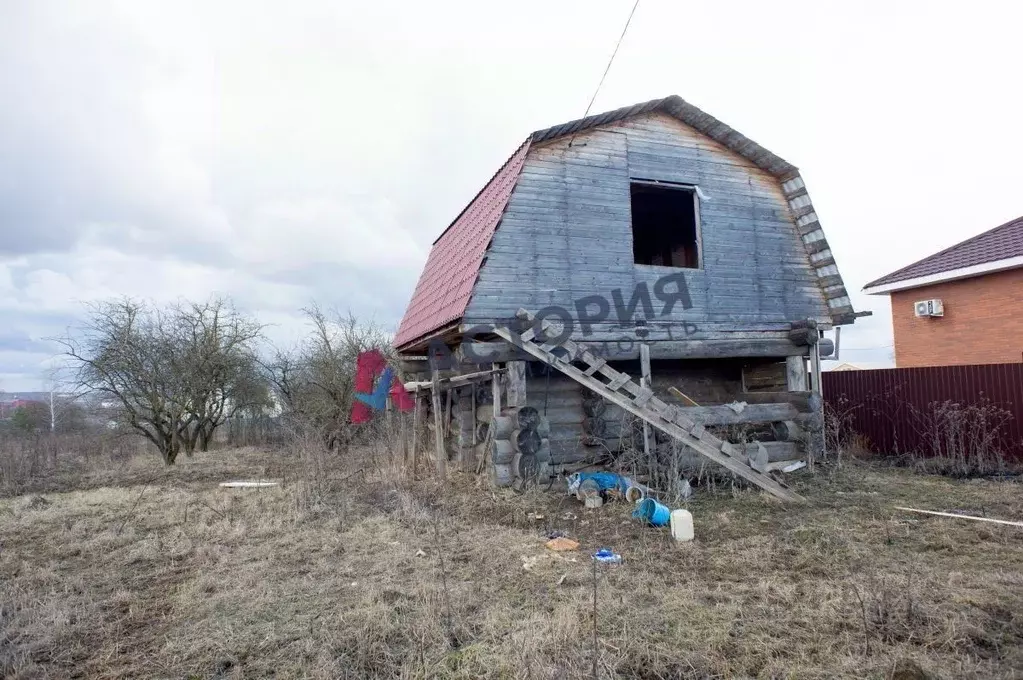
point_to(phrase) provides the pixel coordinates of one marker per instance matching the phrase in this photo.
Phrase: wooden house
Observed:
(652, 242)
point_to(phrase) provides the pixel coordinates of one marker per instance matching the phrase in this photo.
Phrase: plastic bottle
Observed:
(682, 525)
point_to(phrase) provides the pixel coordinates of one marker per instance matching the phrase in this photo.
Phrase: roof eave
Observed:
(880, 288)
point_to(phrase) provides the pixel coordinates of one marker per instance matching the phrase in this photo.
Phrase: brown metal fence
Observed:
(900, 410)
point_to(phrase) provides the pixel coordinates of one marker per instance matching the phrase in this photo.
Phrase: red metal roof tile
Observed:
(1000, 243)
(446, 283)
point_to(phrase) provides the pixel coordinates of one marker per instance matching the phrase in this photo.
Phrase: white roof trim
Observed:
(950, 275)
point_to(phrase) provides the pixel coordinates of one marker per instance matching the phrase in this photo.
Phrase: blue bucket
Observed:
(653, 512)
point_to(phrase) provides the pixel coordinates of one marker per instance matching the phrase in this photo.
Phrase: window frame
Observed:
(694, 189)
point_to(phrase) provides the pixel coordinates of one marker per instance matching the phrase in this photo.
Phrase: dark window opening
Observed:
(664, 226)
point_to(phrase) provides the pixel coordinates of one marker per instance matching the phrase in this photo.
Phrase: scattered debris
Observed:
(528, 563)
(652, 512)
(605, 485)
(607, 556)
(686, 490)
(737, 406)
(758, 459)
(786, 465)
(246, 485)
(602, 480)
(420, 553)
(682, 525)
(952, 514)
(678, 393)
(587, 488)
(562, 579)
(593, 502)
(561, 544)
(535, 516)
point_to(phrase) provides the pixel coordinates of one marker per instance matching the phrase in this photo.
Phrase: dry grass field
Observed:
(146, 572)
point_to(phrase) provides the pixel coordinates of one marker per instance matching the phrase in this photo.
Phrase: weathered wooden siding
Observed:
(567, 234)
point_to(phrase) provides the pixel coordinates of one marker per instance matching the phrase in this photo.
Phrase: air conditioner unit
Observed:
(929, 308)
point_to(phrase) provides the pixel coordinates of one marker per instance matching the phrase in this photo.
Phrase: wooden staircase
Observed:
(619, 388)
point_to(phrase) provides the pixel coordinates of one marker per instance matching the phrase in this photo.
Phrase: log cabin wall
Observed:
(567, 234)
(580, 433)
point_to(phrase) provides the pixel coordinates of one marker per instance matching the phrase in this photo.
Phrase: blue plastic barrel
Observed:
(653, 512)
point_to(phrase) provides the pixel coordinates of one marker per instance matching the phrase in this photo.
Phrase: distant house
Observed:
(10, 402)
(846, 367)
(963, 305)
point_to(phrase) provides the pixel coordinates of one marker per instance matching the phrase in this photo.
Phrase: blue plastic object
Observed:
(652, 512)
(607, 556)
(604, 480)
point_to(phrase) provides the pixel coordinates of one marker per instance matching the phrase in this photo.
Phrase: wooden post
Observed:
(402, 417)
(795, 374)
(815, 366)
(474, 438)
(815, 445)
(438, 423)
(447, 412)
(516, 384)
(416, 418)
(644, 381)
(497, 394)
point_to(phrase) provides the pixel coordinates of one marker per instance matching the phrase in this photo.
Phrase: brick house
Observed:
(963, 305)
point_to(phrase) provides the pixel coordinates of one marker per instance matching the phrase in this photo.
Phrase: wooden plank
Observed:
(516, 383)
(468, 378)
(805, 402)
(957, 516)
(478, 352)
(722, 457)
(751, 413)
(678, 393)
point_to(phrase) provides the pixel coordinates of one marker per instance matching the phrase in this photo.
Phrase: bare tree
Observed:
(218, 365)
(172, 375)
(314, 384)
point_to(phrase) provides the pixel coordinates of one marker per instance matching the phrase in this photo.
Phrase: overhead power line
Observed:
(612, 59)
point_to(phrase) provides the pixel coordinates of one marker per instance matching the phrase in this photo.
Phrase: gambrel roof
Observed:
(445, 286)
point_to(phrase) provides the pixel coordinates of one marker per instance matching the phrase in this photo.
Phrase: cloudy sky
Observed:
(290, 152)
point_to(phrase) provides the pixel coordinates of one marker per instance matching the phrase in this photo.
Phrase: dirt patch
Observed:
(161, 574)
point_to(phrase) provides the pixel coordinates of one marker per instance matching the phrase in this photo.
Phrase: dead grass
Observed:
(346, 582)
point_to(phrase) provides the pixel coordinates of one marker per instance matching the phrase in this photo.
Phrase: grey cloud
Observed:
(19, 341)
(379, 294)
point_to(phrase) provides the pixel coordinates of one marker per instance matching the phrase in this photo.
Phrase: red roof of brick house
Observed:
(995, 250)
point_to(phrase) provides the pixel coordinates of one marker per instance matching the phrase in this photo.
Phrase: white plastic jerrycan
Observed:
(682, 525)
